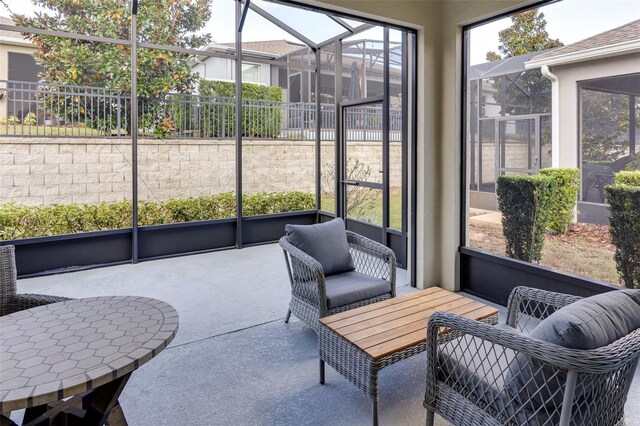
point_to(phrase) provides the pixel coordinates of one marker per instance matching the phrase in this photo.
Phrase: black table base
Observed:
(97, 407)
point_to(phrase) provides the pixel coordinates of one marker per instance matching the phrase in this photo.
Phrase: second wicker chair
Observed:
(370, 276)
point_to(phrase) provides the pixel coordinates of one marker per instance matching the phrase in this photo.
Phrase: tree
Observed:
(526, 34)
(104, 65)
(525, 92)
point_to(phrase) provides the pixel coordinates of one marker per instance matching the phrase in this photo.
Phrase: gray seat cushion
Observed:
(350, 287)
(325, 242)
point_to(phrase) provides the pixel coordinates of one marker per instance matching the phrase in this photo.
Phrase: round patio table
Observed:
(85, 348)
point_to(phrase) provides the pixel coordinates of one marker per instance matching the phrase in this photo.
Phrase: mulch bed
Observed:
(587, 232)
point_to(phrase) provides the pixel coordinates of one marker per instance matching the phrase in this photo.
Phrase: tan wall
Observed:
(455, 14)
(517, 156)
(44, 171)
(569, 76)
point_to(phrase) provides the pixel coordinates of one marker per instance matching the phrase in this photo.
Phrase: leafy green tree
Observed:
(104, 65)
(526, 34)
(526, 92)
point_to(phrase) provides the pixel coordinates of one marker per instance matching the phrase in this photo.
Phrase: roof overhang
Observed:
(15, 41)
(624, 48)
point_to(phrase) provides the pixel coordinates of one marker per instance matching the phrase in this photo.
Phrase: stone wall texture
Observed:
(42, 171)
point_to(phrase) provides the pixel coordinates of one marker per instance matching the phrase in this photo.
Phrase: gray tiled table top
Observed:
(55, 351)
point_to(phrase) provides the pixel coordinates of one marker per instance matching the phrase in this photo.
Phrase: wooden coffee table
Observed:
(360, 342)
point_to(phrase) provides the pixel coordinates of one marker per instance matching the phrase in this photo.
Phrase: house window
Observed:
(250, 73)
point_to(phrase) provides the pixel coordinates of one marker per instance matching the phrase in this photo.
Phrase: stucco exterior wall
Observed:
(7, 46)
(569, 76)
(224, 69)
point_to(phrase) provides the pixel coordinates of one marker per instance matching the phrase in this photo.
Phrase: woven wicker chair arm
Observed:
(307, 275)
(601, 360)
(370, 247)
(373, 258)
(21, 302)
(542, 303)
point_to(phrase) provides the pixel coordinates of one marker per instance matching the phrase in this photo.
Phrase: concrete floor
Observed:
(234, 361)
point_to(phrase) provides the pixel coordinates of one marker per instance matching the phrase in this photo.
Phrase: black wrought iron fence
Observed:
(48, 110)
(41, 109)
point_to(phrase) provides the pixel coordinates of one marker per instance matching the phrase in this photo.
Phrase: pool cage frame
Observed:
(54, 254)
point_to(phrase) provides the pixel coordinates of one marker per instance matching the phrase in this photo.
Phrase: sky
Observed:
(221, 26)
(568, 20)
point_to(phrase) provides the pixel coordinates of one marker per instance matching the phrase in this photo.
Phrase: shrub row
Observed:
(624, 217)
(530, 205)
(524, 203)
(260, 120)
(21, 221)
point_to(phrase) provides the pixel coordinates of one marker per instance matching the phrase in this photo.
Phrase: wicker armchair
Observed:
(498, 375)
(10, 300)
(309, 301)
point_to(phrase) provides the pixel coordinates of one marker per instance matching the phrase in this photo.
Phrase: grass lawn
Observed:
(573, 252)
(372, 213)
(20, 130)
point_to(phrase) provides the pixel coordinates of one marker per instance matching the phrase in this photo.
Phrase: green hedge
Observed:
(564, 196)
(523, 201)
(21, 221)
(628, 177)
(262, 121)
(624, 218)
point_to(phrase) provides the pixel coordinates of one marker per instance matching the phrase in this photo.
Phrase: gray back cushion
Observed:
(325, 242)
(589, 323)
(592, 322)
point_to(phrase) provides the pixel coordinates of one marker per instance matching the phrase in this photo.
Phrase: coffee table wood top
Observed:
(386, 327)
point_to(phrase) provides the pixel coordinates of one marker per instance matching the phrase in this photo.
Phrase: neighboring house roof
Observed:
(504, 66)
(275, 48)
(12, 37)
(11, 34)
(624, 39)
(4, 33)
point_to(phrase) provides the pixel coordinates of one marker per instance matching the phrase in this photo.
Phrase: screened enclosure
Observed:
(509, 125)
(610, 113)
(247, 116)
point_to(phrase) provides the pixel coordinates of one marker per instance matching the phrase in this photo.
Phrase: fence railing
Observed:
(48, 110)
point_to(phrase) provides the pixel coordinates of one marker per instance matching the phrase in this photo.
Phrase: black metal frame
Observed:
(82, 251)
(491, 276)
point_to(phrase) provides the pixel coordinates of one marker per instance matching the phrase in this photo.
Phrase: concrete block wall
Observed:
(517, 157)
(42, 171)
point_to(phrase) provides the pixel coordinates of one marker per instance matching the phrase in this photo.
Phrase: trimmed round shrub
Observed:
(523, 201)
(564, 196)
(624, 218)
(628, 177)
